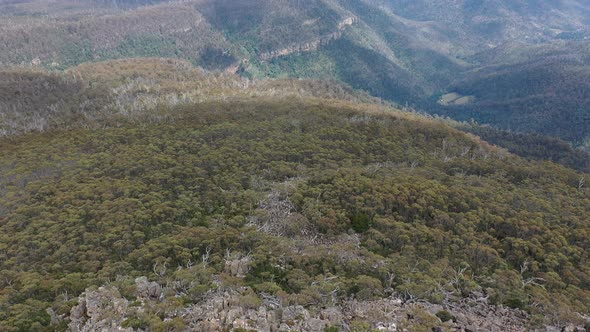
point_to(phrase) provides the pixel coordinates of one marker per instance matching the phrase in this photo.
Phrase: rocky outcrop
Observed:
(225, 310)
(238, 266)
(148, 290)
(104, 309)
(311, 45)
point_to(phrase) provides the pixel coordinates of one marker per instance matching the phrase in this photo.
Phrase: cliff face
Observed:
(314, 44)
(233, 308)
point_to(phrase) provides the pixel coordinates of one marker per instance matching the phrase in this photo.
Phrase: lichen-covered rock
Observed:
(104, 309)
(315, 325)
(332, 315)
(148, 290)
(238, 267)
(99, 310)
(295, 313)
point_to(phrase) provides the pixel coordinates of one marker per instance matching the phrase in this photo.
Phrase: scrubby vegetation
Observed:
(296, 190)
(110, 93)
(511, 57)
(322, 200)
(533, 146)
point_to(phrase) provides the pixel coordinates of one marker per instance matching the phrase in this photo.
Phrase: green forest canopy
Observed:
(85, 206)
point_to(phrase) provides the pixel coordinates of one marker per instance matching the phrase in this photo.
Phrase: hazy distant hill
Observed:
(406, 51)
(496, 21)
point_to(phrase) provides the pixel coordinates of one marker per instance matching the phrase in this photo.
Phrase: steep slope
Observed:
(294, 199)
(60, 41)
(409, 52)
(532, 146)
(542, 89)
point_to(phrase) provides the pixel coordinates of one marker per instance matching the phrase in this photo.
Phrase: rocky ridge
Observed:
(105, 309)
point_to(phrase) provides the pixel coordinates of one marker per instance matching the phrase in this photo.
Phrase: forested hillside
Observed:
(408, 52)
(532, 146)
(105, 94)
(287, 165)
(291, 197)
(530, 89)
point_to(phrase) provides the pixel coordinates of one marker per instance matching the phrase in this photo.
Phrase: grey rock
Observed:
(315, 325)
(333, 315)
(148, 290)
(433, 309)
(234, 314)
(238, 267)
(295, 313)
(99, 310)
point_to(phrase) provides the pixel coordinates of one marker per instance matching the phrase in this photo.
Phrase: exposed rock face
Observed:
(104, 309)
(384, 315)
(238, 267)
(99, 310)
(311, 45)
(479, 316)
(148, 290)
(223, 310)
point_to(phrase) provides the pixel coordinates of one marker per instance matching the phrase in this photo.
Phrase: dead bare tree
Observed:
(206, 257)
(529, 281)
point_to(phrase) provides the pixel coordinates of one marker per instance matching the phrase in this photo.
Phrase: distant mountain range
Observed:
(518, 65)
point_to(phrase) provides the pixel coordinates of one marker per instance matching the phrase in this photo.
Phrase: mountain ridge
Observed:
(159, 172)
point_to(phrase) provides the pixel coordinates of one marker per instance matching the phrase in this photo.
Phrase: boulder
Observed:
(99, 310)
(148, 290)
(315, 325)
(238, 267)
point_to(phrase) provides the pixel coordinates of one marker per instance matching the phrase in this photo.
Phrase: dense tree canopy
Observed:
(386, 201)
